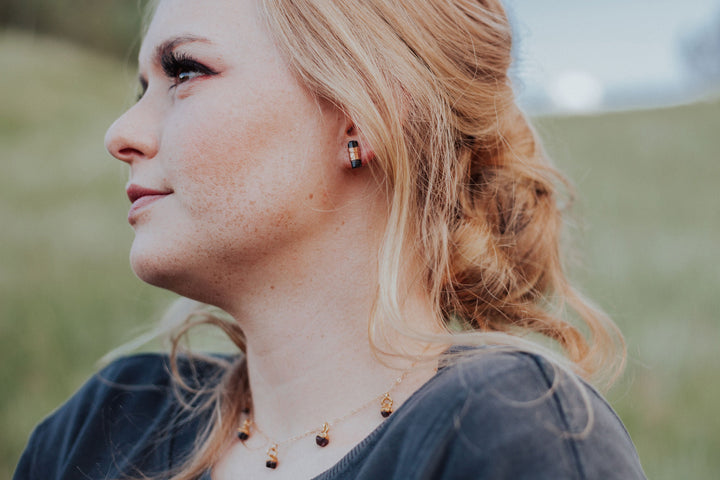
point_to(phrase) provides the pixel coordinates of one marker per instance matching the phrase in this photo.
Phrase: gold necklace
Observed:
(322, 437)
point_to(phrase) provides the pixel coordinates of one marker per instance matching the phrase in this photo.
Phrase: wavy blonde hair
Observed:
(472, 192)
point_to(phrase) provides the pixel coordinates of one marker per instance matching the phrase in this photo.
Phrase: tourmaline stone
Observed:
(243, 436)
(385, 413)
(271, 464)
(322, 441)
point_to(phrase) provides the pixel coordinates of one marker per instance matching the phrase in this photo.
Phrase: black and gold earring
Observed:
(354, 153)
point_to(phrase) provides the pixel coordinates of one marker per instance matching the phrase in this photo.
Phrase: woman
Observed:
(353, 184)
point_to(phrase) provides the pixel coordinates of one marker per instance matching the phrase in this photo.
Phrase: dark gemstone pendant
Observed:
(272, 460)
(386, 405)
(323, 438)
(244, 431)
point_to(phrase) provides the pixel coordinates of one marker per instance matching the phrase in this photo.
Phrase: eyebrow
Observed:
(168, 46)
(171, 44)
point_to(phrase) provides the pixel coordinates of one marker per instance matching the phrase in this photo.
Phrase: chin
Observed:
(159, 262)
(152, 268)
(170, 270)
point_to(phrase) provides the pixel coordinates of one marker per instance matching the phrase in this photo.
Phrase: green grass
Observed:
(649, 231)
(67, 293)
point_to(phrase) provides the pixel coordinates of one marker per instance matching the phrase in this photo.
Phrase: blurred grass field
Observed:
(648, 229)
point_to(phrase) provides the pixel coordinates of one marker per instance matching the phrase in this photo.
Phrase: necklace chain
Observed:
(333, 422)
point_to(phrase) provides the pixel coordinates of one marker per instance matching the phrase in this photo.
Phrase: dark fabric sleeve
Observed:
(116, 424)
(518, 417)
(24, 469)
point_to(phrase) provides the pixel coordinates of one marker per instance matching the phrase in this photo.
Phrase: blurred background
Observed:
(626, 95)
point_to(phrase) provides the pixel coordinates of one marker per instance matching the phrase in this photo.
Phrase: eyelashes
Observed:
(179, 68)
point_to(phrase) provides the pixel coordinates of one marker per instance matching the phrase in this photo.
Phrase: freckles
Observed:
(282, 220)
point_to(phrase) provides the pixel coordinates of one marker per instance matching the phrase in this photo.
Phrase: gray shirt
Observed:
(492, 415)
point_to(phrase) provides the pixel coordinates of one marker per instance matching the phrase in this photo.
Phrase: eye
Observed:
(181, 68)
(184, 76)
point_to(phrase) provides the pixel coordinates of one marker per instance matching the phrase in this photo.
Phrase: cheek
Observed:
(236, 168)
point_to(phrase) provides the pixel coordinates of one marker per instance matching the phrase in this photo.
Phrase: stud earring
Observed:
(354, 153)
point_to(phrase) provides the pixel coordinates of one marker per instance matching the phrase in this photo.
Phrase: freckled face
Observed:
(242, 151)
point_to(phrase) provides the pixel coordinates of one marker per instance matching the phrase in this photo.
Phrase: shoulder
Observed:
(495, 413)
(130, 386)
(152, 372)
(126, 387)
(115, 419)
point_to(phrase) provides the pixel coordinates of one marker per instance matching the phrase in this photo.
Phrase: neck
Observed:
(309, 357)
(304, 308)
(308, 354)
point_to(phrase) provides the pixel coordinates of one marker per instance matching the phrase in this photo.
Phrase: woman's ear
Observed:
(359, 150)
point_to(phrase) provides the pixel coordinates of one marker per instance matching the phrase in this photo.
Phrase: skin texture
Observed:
(265, 220)
(245, 152)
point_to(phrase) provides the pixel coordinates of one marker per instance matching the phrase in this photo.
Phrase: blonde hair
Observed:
(472, 192)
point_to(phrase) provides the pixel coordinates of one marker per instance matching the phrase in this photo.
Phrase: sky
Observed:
(595, 47)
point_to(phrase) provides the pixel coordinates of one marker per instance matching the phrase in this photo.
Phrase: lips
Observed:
(135, 192)
(141, 197)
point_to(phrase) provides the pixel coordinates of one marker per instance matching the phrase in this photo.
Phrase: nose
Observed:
(133, 136)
